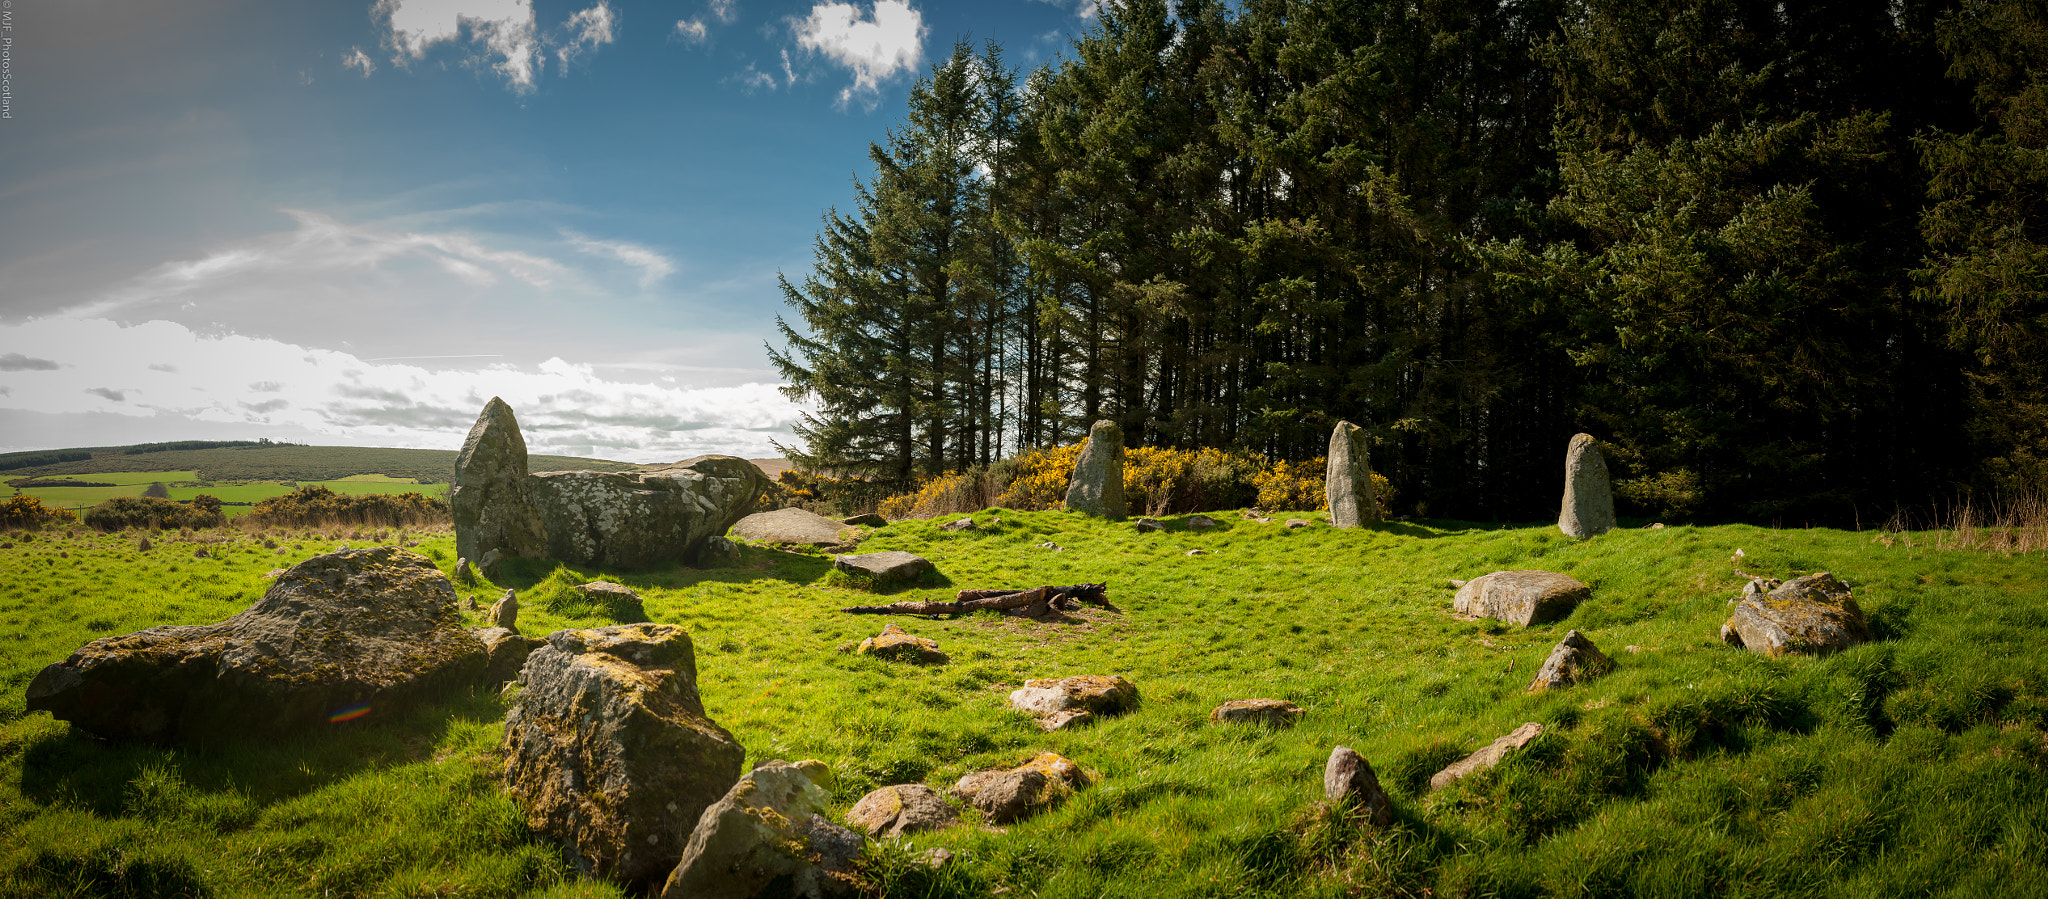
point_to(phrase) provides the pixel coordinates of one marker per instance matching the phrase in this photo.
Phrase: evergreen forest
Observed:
(1783, 257)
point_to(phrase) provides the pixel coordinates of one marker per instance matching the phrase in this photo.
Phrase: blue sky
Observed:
(353, 222)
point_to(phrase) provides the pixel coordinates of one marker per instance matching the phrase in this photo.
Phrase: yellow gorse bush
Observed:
(29, 512)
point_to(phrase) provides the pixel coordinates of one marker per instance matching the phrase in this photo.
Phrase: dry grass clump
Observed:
(1999, 525)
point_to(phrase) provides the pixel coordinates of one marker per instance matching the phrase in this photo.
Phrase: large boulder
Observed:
(609, 752)
(765, 838)
(646, 516)
(790, 527)
(1013, 794)
(1573, 660)
(895, 811)
(347, 635)
(491, 501)
(1520, 597)
(1812, 615)
(1588, 498)
(1347, 481)
(1097, 485)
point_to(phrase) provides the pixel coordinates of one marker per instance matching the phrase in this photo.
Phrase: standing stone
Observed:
(1588, 499)
(609, 752)
(491, 501)
(1348, 479)
(764, 839)
(1097, 486)
(1348, 779)
(505, 612)
(1574, 660)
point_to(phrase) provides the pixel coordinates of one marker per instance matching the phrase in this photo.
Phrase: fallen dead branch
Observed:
(1037, 603)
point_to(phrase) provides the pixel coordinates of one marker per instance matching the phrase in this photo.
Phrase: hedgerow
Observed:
(314, 505)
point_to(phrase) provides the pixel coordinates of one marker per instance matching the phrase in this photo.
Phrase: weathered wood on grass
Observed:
(1036, 602)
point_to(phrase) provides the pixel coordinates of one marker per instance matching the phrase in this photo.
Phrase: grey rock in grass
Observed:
(898, 810)
(718, 552)
(489, 564)
(1272, 712)
(765, 838)
(609, 592)
(1095, 693)
(646, 516)
(1071, 718)
(274, 573)
(895, 644)
(1349, 780)
(790, 527)
(1013, 794)
(505, 612)
(1521, 597)
(1487, 757)
(608, 750)
(1097, 485)
(1200, 522)
(1811, 615)
(505, 653)
(958, 524)
(1574, 660)
(867, 520)
(369, 629)
(1295, 524)
(885, 568)
(462, 572)
(1347, 481)
(1588, 498)
(491, 501)
(1148, 526)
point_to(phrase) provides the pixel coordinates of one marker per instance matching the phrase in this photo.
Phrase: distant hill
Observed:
(270, 462)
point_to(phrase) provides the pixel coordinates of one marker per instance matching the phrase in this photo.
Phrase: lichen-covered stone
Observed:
(895, 644)
(1090, 692)
(505, 652)
(895, 811)
(1573, 660)
(491, 501)
(505, 612)
(1812, 615)
(1347, 479)
(1521, 597)
(1274, 712)
(1348, 779)
(1588, 508)
(718, 552)
(1013, 794)
(764, 838)
(365, 629)
(646, 516)
(790, 527)
(884, 568)
(1488, 756)
(608, 749)
(1097, 484)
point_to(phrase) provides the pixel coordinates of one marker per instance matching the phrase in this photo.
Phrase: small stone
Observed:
(143, 545)
(1657, 526)
(1148, 526)
(937, 857)
(274, 573)
(1200, 522)
(1065, 720)
(1197, 552)
(1095, 693)
(958, 524)
(1349, 780)
(789, 527)
(473, 606)
(505, 612)
(1051, 546)
(462, 572)
(718, 552)
(895, 644)
(868, 520)
(489, 564)
(1263, 520)
(884, 568)
(1487, 757)
(1295, 524)
(1018, 793)
(898, 810)
(766, 838)
(609, 592)
(1812, 615)
(1574, 660)
(1272, 712)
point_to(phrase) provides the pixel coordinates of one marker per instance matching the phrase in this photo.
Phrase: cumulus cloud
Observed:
(692, 30)
(652, 265)
(19, 362)
(587, 30)
(887, 42)
(357, 59)
(335, 397)
(724, 10)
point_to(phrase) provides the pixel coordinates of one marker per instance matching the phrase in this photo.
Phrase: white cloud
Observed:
(588, 30)
(652, 265)
(725, 10)
(357, 59)
(888, 42)
(692, 30)
(336, 397)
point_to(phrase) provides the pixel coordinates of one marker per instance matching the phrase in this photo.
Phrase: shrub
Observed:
(29, 512)
(317, 506)
(123, 512)
(970, 491)
(1299, 486)
(824, 494)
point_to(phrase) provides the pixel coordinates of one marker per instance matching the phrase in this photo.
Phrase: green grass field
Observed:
(182, 486)
(1910, 766)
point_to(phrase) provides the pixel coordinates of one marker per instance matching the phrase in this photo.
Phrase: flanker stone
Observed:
(1347, 481)
(1097, 485)
(1588, 498)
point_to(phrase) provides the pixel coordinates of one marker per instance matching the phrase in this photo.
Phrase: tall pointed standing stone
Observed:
(491, 501)
(1348, 480)
(1588, 499)
(1097, 486)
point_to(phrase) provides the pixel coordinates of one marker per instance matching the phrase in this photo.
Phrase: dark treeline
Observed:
(1785, 258)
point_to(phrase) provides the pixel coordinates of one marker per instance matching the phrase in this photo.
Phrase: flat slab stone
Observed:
(1811, 615)
(792, 527)
(1275, 712)
(892, 567)
(1521, 597)
(1487, 757)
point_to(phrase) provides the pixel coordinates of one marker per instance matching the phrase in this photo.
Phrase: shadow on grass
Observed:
(75, 768)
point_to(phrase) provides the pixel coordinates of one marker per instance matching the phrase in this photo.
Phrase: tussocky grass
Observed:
(1692, 769)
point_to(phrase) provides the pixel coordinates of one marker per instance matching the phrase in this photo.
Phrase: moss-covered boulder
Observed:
(1813, 615)
(609, 752)
(765, 838)
(1006, 795)
(349, 636)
